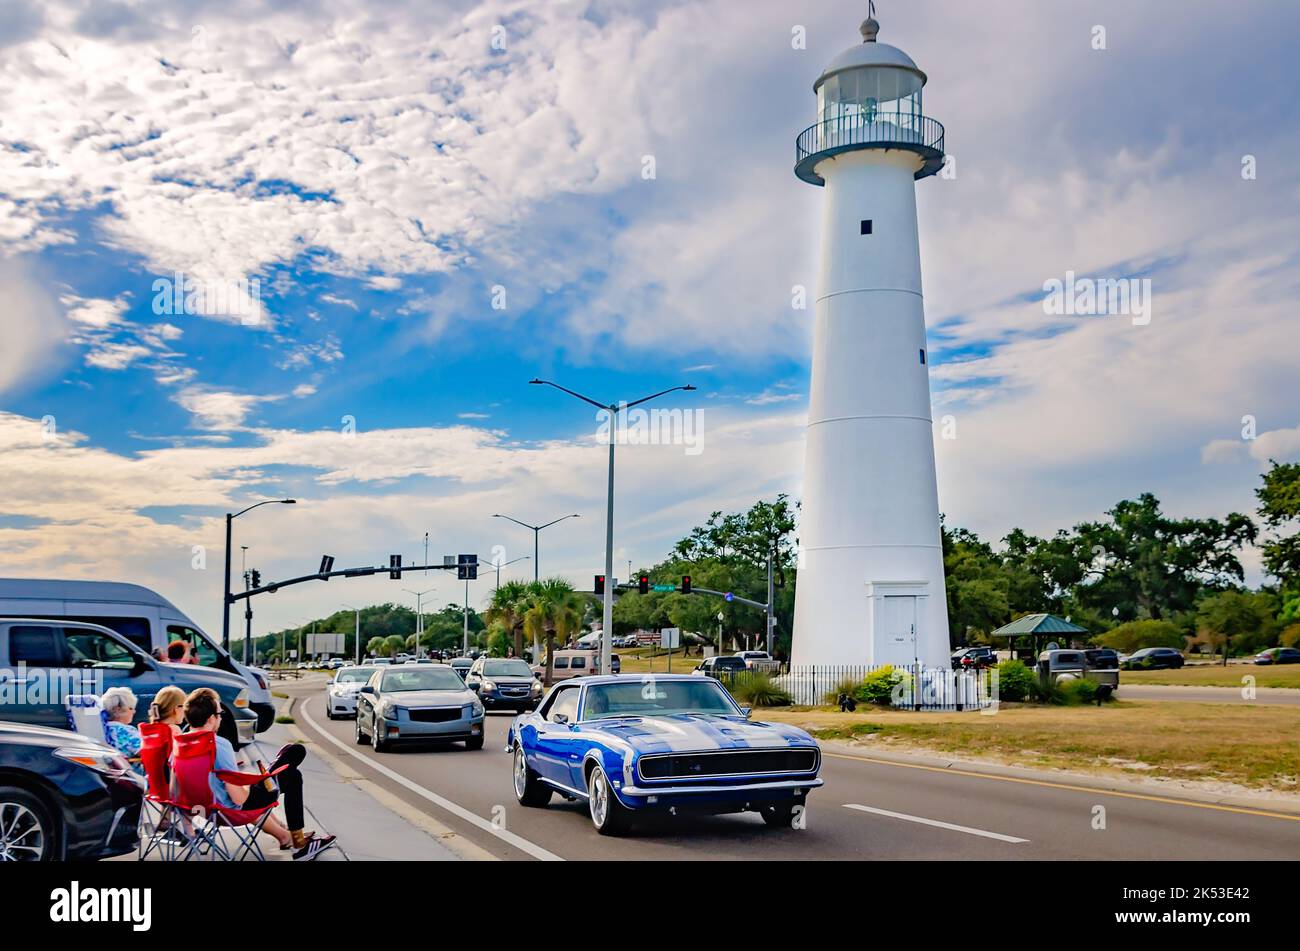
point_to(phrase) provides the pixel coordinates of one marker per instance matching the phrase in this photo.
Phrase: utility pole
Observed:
(771, 618)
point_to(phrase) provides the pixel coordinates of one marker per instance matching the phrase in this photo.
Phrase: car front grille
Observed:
(435, 714)
(727, 763)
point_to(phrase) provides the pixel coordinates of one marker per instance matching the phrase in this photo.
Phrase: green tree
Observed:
(977, 586)
(375, 647)
(393, 645)
(1235, 618)
(1135, 635)
(1279, 507)
(1149, 565)
(554, 609)
(507, 609)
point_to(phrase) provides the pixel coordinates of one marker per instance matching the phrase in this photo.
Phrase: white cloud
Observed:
(218, 409)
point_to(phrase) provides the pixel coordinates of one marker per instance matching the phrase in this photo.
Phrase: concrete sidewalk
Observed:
(367, 829)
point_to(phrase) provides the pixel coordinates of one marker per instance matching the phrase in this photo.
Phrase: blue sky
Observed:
(384, 174)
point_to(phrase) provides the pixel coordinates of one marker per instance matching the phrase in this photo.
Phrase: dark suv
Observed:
(1102, 658)
(972, 658)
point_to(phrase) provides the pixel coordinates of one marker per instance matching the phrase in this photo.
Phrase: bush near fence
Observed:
(932, 688)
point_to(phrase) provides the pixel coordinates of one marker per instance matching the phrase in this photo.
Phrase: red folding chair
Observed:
(162, 822)
(194, 761)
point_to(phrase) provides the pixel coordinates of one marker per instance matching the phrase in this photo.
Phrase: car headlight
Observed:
(108, 762)
(476, 709)
(389, 710)
(241, 698)
(489, 685)
(537, 686)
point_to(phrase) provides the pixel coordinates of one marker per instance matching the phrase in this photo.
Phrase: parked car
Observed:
(63, 659)
(1102, 658)
(418, 702)
(142, 616)
(758, 660)
(724, 667)
(1278, 655)
(341, 692)
(578, 663)
(627, 747)
(504, 682)
(1152, 658)
(974, 658)
(63, 796)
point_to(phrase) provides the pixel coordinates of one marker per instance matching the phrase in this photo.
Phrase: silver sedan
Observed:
(341, 692)
(418, 702)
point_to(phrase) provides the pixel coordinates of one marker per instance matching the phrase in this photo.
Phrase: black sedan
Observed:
(1153, 658)
(1278, 655)
(64, 797)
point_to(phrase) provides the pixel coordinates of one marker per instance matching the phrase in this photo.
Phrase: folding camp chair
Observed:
(193, 763)
(87, 717)
(163, 826)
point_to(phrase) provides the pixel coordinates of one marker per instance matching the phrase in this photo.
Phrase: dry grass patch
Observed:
(1216, 675)
(1255, 746)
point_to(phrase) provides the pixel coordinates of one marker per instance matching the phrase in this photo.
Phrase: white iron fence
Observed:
(934, 689)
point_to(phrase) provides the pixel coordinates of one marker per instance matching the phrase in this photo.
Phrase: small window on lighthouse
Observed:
(922, 358)
(866, 226)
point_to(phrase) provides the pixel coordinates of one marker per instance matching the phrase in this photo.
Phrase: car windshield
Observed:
(354, 674)
(506, 668)
(656, 698)
(421, 678)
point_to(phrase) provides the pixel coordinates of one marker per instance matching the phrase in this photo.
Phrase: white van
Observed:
(143, 617)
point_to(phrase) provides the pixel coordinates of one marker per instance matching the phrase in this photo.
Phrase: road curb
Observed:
(1263, 802)
(450, 839)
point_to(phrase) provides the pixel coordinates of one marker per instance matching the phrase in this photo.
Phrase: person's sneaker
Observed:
(314, 847)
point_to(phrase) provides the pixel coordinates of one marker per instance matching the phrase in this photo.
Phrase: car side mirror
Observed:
(560, 718)
(367, 689)
(746, 711)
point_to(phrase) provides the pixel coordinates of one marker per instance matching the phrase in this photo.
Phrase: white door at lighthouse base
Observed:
(895, 630)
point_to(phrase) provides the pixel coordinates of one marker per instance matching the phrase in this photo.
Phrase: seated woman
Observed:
(203, 712)
(119, 705)
(168, 707)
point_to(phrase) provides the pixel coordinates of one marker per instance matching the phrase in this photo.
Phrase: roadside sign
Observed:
(664, 587)
(729, 596)
(670, 637)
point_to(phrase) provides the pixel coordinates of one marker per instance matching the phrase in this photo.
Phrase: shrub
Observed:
(1077, 692)
(1016, 682)
(1290, 636)
(1134, 635)
(848, 685)
(758, 690)
(878, 686)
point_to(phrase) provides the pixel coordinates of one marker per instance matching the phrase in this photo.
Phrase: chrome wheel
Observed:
(22, 836)
(598, 790)
(521, 772)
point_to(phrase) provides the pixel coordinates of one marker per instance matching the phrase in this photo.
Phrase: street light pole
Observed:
(225, 585)
(537, 561)
(357, 636)
(419, 614)
(607, 622)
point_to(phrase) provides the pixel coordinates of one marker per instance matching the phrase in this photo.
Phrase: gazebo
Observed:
(1041, 629)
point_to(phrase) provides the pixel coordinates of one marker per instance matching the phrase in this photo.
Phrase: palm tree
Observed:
(508, 607)
(554, 608)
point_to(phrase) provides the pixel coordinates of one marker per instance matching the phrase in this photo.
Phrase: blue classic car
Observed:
(629, 745)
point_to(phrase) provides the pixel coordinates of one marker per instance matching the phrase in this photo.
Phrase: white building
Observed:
(871, 586)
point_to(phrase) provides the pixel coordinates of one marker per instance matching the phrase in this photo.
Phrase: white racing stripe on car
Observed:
(936, 823)
(520, 843)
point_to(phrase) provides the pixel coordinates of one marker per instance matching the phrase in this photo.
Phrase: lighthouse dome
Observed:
(867, 55)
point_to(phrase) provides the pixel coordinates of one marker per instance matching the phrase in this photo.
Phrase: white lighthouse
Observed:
(870, 585)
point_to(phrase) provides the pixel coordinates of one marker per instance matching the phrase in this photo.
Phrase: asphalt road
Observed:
(1284, 696)
(866, 810)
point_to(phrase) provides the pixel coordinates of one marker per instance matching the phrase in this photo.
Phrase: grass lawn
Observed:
(1256, 746)
(1216, 675)
(642, 661)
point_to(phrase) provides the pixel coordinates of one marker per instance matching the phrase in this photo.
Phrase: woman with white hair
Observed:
(119, 704)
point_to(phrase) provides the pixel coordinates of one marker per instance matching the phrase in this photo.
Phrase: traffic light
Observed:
(255, 578)
(686, 584)
(326, 564)
(643, 584)
(395, 567)
(599, 584)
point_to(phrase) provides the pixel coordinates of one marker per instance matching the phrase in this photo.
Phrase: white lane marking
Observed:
(936, 823)
(520, 843)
